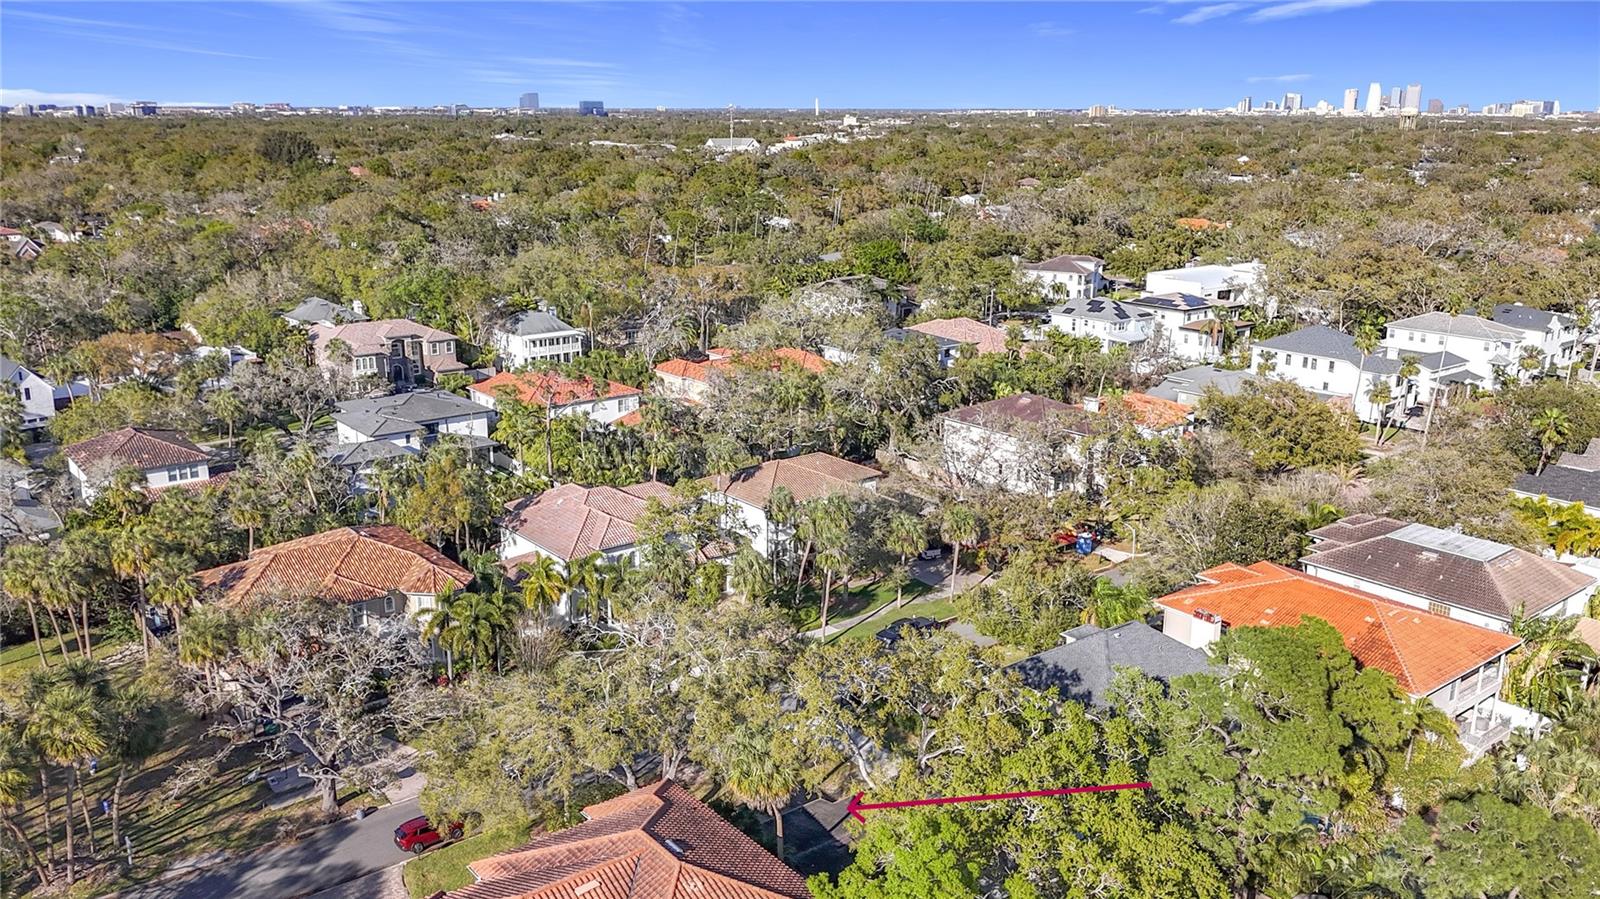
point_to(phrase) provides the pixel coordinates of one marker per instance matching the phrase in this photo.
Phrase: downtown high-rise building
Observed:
(1374, 99)
(1244, 105)
(1396, 94)
(1412, 99)
(1435, 106)
(529, 101)
(1352, 97)
(1292, 101)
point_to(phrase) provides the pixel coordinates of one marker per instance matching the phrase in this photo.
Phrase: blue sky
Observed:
(1145, 53)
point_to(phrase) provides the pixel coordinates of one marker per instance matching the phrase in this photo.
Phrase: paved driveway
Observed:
(336, 854)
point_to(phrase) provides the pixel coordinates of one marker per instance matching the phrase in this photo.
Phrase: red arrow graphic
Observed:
(856, 806)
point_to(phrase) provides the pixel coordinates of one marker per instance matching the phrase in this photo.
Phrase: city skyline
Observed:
(707, 56)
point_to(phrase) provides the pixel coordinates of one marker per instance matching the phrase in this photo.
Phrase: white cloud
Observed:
(1051, 29)
(1211, 11)
(1280, 79)
(15, 96)
(1302, 8)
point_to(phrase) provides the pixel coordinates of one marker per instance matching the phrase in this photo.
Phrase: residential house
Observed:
(1023, 443)
(38, 396)
(1068, 277)
(24, 516)
(1449, 574)
(1328, 363)
(571, 522)
(1106, 320)
(690, 378)
(534, 336)
(378, 571)
(1152, 416)
(1556, 334)
(656, 841)
(326, 313)
(370, 429)
(1487, 346)
(1456, 665)
(1189, 327)
(1572, 478)
(1236, 284)
(974, 336)
(1190, 384)
(20, 246)
(556, 394)
(1089, 658)
(164, 458)
(746, 494)
(395, 349)
(58, 232)
(733, 145)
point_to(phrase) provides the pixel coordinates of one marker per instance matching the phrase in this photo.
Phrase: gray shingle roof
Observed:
(1469, 326)
(317, 309)
(534, 322)
(1188, 384)
(1323, 341)
(1083, 670)
(1519, 316)
(1567, 485)
(403, 413)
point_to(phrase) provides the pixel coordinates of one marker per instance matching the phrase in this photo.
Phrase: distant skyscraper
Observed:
(1396, 94)
(1374, 99)
(1291, 101)
(1435, 106)
(1352, 96)
(1244, 105)
(591, 107)
(529, 101)
(1412, 98)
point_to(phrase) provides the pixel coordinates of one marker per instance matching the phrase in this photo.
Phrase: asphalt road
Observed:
(331, 856)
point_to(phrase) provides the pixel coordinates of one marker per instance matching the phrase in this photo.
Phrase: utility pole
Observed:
(730, 121)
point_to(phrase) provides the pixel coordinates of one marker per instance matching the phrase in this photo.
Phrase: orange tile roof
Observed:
(1154, 412)
(1202, 224)
(539, 388)
(1422, 650)
(987, 338)
(807, 477)
(571, 521)
(349, 564)
(631, 420)
(722, 359)
(656, 842)
(141, 448)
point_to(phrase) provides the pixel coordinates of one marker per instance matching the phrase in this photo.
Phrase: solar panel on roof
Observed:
(1475, 548)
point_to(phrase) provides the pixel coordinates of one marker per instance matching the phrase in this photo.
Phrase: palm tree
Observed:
(905, 538)
(16, 788)
(1551, 427)
(748, 573)
(1410, 367)
(65, 729)
(23, 576)
(543, 584)
(755, 774)
(1541, 667)
(835, 563)
(958, 528)
(1366, 340)
(226, 407)
(1380, 396)
(781, 515)
(135, 552)
(79, 571)
(173, 587)
(207, 638)
(1531, 359)
(586, 578)
(471, 625)
(138, 726)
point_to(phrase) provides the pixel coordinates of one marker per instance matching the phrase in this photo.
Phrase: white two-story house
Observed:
(1189, 327)
(1487, 346)
(1237, 284)
(1327, 363)
(535, 336)
(38, 396)
(1067, 277)
(1556, 334)
(1106, 320)
(371, 429)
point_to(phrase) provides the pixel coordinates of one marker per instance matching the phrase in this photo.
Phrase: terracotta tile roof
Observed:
(350, 564)
(987, 338)
(807, 477)
(572, 521)
(1154, 412)
(1443, 566)
(142, 448)
(538, 388)
(1422, 650)
(631, 420)
(723, 359)
(657, 842)
(1008, 412)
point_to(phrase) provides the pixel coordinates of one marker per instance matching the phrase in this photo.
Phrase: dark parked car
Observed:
(891, 635)
(417, 834)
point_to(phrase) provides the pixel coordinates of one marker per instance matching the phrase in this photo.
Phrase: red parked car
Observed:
(417, 834)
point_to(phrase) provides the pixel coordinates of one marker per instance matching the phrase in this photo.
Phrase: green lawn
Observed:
(866, 598)
(446, 868)
(18, 659)
(938, 609)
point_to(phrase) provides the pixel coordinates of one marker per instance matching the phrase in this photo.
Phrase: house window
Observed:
(388, 605)
(1330, 366)
(1439, 608)
(1324, 386)
(27, 393)
(1288, 360)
